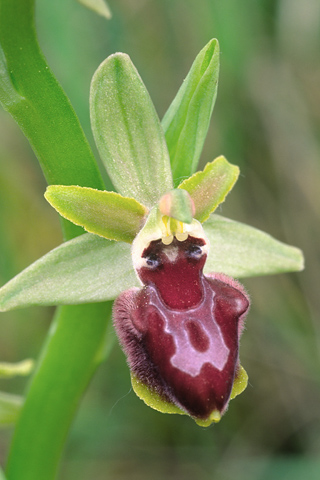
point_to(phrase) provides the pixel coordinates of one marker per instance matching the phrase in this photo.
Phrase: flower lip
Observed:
(187, 356)
(175, 270)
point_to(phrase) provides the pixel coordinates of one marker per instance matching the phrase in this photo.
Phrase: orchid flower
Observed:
(156, 246)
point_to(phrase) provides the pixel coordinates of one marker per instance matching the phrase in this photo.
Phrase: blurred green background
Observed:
(266, 120)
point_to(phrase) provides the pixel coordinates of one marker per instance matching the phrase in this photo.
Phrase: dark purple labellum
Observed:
(181, 330)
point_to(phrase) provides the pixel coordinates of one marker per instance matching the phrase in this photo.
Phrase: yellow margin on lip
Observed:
(153, 400)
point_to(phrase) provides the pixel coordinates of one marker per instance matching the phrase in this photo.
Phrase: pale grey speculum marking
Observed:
(187, 358)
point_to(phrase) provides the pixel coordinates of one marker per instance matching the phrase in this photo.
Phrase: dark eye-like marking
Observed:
(153, 261)
(194, 251)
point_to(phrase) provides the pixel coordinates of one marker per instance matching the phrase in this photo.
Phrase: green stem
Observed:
(69, 360)
(31, 94)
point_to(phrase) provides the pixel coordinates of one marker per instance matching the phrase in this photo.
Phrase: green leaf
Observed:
(210, 187)
(128, 133)
(177, 204)
(8, 370)
(32, 95)
(239, 250)
(10, 407)
(107, 214)
(40, 106)
(71, 354)
(187, 120)
(86, 269)
(99, 6)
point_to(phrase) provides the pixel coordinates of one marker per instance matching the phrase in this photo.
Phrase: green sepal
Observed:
(86, 269)
(209, 188)
(128, 132)
(9, 370)
(177, 204)
(239, 250)
(107, 214)
(98, 6)
(10, 407)
(187, 120)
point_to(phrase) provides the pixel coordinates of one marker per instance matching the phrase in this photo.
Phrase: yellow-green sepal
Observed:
(209, 188)
(107, 214)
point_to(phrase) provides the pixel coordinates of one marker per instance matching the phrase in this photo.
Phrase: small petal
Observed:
(107, 214)
(209, 188)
